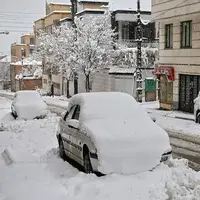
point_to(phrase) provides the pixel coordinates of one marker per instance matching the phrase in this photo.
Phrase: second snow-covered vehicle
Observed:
(109, 132)
(28, 104)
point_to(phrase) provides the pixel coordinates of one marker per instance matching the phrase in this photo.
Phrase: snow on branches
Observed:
(128, 57)
(85, 48)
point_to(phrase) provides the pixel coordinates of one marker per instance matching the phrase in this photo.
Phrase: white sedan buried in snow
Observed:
(110, 133)
(28, 104)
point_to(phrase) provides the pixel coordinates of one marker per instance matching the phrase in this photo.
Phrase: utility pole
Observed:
(139, 80)
(74, 11)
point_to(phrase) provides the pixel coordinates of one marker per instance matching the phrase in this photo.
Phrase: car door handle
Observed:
(72, 127)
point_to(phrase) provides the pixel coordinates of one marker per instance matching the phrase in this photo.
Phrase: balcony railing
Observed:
(132, 43)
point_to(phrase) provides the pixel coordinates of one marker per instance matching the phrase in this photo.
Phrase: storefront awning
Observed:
(164, 70)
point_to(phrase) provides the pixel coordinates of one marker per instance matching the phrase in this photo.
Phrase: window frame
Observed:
(184, 36)
(168, 36)
(67, 114)
(73, 115)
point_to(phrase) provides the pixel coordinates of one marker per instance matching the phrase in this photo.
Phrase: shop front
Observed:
(165, 76)
(189, 87)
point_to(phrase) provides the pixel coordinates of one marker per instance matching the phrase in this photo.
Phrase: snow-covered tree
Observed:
(85, 48)
(127, 57)
(4, 71)
(46, 50)
(94, 45)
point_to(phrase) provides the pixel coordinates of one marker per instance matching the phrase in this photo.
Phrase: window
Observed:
(169, 36)
(23, 52)
(69, 113)
(186, 34)
(45, 81)
(66, 115)
(125, 30)
(31, 51)
(32, 41)
(76, 113)
(22, 40)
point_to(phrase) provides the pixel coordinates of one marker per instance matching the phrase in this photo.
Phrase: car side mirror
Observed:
(73, 123)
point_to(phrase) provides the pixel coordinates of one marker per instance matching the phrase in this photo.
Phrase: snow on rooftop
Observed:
(60, 2)
(6, 59)
(129, 5)
(57, 11)
(90, 10)
(121, 70)
(28, 61)
(94, 1)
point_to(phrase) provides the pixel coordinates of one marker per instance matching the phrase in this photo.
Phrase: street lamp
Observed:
(4, 32)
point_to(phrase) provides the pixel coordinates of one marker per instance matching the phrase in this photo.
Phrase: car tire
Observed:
(62, 149)
(87, 163)
(198, 118)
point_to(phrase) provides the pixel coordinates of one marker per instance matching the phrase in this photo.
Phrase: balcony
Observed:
(146, 43)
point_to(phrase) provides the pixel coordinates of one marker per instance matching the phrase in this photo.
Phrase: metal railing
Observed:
(133, 43)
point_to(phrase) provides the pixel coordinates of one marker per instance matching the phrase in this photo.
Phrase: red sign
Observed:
(167, 71)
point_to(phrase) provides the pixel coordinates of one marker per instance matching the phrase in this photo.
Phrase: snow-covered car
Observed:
(109, 132)
(197, 109)
(28, 104)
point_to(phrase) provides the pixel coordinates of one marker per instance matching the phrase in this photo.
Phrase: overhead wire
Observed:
(29, 13)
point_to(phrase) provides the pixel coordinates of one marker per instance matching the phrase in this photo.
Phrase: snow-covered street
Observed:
(37, 172)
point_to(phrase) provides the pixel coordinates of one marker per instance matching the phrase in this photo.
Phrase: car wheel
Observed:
(62, 149)
(87, 164)
(198, 118)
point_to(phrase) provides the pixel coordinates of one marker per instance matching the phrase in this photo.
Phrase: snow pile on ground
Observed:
(184, 183)
(57, 101)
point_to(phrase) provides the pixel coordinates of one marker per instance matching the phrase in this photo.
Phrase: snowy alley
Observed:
(37, 172)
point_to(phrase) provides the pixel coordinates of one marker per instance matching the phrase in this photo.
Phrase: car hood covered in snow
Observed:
(127, 146)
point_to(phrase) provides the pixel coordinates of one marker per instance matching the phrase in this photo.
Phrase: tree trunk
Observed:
(75, 83)
(67, 88)
(87, 85)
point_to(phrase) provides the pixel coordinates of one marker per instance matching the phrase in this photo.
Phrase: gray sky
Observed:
(18, 16)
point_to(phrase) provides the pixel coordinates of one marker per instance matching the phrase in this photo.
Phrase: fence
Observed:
(101, 82)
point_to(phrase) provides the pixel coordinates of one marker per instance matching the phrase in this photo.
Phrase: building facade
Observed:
(125, 24)
(56, 13)
(23, 49)
(23, 76)
(179, 62)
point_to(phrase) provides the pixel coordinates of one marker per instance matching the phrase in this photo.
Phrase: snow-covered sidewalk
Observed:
(153, 108)
(175, 121)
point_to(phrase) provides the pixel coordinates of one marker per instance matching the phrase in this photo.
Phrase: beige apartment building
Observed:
(24, 48)
(55, 12)
(179, 51)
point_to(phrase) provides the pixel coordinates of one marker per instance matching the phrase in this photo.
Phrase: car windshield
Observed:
(111, 107)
